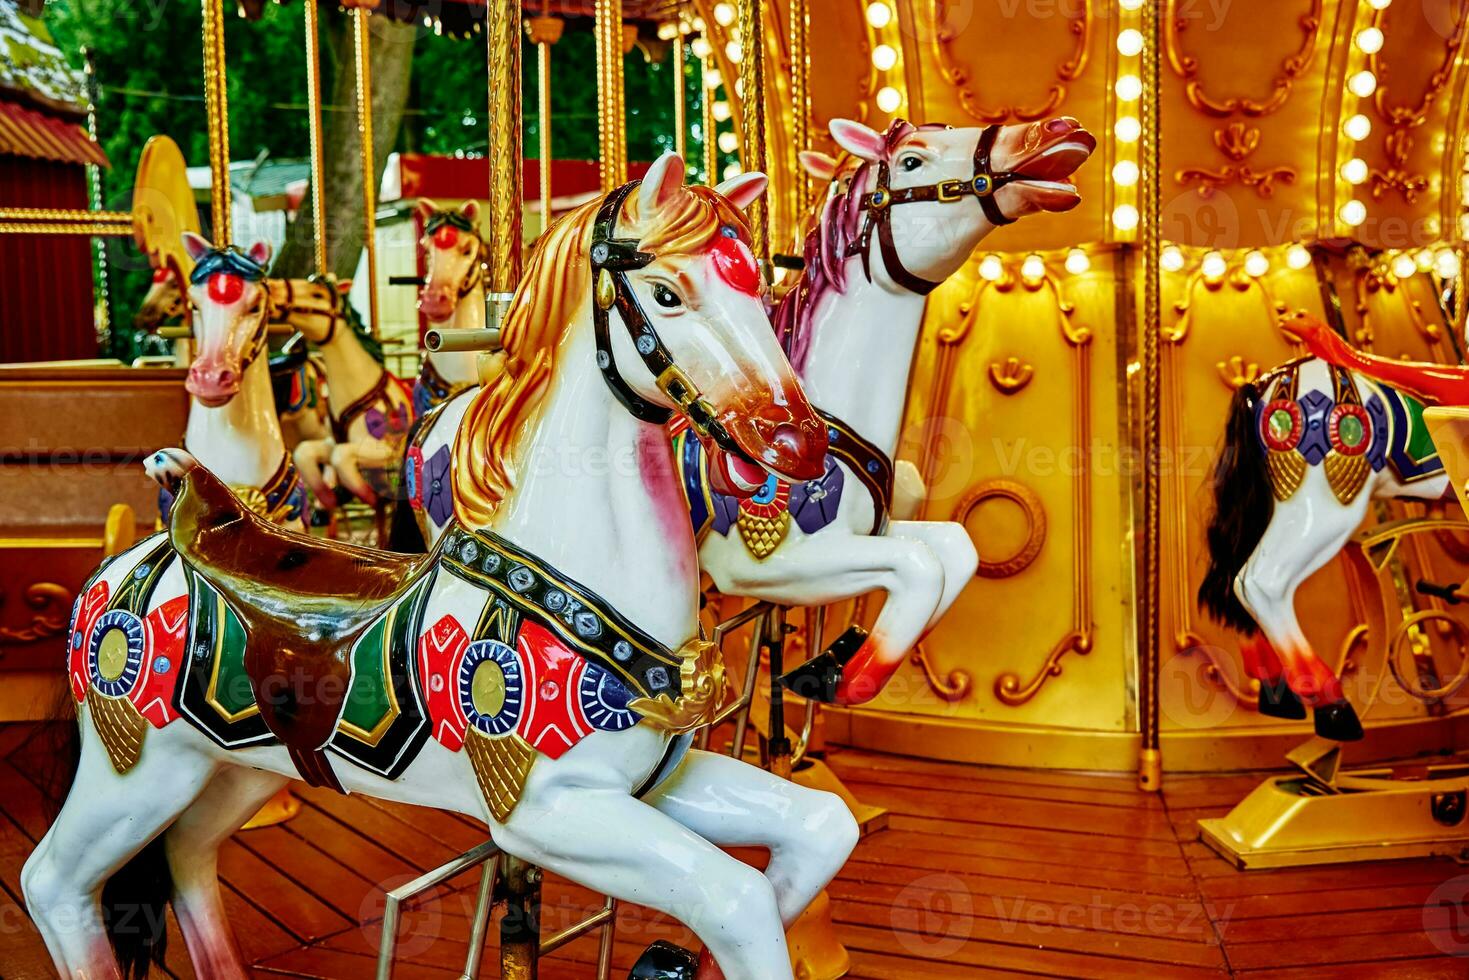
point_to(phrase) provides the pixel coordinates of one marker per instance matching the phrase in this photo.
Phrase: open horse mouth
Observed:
(1047, 169)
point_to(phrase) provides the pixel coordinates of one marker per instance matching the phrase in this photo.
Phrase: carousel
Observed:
(921, 523)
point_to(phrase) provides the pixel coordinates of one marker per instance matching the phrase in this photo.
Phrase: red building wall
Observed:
(46, 292)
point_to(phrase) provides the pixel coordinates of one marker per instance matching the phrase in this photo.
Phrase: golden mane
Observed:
(555, 288)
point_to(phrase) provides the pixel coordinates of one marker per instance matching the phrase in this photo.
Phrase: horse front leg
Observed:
(834, 565)
(313, 458)
(953, 547)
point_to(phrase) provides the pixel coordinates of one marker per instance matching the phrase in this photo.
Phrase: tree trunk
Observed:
(392, 66)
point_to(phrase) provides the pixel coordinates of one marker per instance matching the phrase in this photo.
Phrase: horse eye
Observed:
(665, 296)
(910, 163)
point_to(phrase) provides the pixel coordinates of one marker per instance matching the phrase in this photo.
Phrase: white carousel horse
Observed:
(906, 211)
(452, 296)
(232, 427)
(370, 410)
(1307, 448)
(540, 670)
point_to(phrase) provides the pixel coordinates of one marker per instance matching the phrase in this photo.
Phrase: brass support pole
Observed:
(711, 138)
(611, 121)
(216, 103)
(544, 32)
(520, 927)
(680, 97)
(751, 20)
(362, 46)
(502, 33)
(800, 15)
(1150, 767)
(313, 120)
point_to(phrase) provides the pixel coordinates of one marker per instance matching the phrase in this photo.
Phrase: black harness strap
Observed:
(870, 464)
(376, 395)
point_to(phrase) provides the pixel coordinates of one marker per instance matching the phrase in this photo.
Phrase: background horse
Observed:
(1307, 448)
(541, 742)
(452, 297)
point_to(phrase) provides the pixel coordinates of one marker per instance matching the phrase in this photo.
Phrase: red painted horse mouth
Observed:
(1047, 170)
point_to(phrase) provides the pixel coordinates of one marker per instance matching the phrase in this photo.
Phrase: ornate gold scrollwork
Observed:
(1067, 71)
(952, 687)
(1237, 140)
(52, 605)
(1009, 378)
(1030, 506)
(1236, 372)
(1218, 671)
(1009, 688)
(1396, 646)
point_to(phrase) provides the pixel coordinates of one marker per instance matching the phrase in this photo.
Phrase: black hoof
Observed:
(1338, 722)
(665, 961)
(1277, 700)
(818, 678)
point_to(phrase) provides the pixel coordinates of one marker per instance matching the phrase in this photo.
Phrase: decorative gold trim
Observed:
(1236, 372)
(503, 34)
(701, 683)
(216, 104)
(375, 735)
(120, 727)
(1012, 376)
(362, 50)
(1030, 505)
(211, 694)
(952, 687)
(501, 766)
(314, 135)
(1346, 475)
(1009, 688)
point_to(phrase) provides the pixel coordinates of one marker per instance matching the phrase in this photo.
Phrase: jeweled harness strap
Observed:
(576, 614)
(376, 395)
(870, 464)
(612, 258)
(879, 204)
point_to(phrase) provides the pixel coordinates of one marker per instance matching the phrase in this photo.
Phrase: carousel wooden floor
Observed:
(982, 873)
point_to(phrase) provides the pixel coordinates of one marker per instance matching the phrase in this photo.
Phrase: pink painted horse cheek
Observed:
(735, 264)
(660, 480)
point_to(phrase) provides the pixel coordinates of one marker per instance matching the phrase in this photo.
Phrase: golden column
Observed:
(680, 96)
(711, 138)
(544, 32)
(502, 33)
(1150, 765)
(362, 48)
(313, 119)
(216, 103)
(611, 121)
(800, 15)
(751, 21)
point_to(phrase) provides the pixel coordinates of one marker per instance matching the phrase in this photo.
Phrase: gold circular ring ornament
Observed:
(487, 689)
(1399, 644)
(112, 654)
(1031, 508)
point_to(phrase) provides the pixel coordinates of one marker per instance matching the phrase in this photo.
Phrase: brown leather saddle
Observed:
(302, 601)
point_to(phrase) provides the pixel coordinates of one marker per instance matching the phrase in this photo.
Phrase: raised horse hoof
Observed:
(818, 678)
(665, 961)
(1338, 722)
(1277, 700)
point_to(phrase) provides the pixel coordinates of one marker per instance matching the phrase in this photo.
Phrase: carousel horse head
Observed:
(232, 304)
(164, 300)
(924, 196)
(661, 274)
(454, 257)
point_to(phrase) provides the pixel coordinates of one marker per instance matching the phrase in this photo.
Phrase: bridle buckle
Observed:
(950, 191)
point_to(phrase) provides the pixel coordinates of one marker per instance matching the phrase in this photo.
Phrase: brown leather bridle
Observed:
(878, 207)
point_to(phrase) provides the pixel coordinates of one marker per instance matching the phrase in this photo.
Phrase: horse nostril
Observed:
(226, 376)
(789, 438)
(1060, 125)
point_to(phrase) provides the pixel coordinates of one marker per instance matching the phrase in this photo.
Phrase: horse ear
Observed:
(818, 164)
(260, 253)
(344, 286)
(858, 140)
(425, 208)
(745, 189)
(663, 180)
(196, 245)
(470, 209)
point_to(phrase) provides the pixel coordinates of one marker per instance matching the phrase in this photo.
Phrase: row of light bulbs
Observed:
(1357, 127)
(1128, 128)
(1213, 265)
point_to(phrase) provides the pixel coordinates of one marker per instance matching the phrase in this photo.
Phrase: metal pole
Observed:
(1150, 766)
(544, 32)
(313, 119)
(711, 140)
(362, 45)
(680, 96)
(751, 20)
(216, 104)
(611, 121)
(800, 101)
(502, 34)
(520, 928)
(775, 643)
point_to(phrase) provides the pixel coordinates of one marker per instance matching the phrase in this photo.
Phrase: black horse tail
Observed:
(1243, 505)
(135, 899)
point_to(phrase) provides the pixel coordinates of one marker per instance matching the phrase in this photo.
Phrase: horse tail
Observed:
(1243, 505)
(135, 899)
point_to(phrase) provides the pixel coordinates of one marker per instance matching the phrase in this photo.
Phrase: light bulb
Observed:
(701, 48)
(1033, 268)
(1354, 171)
(1124, 217)
(1130, 4)
(1298, 257)
(1125, 173)
(734, 52)
(1379, 4)
(1077, 262)
(1128, 129)
(879, 15)
(1423, 260)
(1403, 266)
(721, 111)
(1129, 87)
(724, 14)
(732, 171)
(729, 142)
(1256, 264)
(991, 268)
(1171, 258)
(667, 31)
(1446, 263)
(1369, 40)
(884, 57)
(1358, 127)
(1214, 267)
(1130, 42)
(1362, 84)
(713, 79)
(889, 98)
(1353, 213)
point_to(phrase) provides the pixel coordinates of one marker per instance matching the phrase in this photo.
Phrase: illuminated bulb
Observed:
(1213, 267)
(1131, 4)
(884, 57)
(1362, 84)
(1130, 42)
(1256, 264)
(721, 111)
(740, 87)
(1129, 87)
(734, 52)
(1354, 171)
(699, 24)
(729, 142)
(1353, 213)
(1077, 262)
(1423, 260)
(732, 171)
(1033, 268)
(1379, 4)
(724, 14)
(1171, 258)
(1128, 129)
(991, 268)
(879, 15)
(1446, 263)
(667, 31)
(1298, 257)
(1369, 41)
(1403, 266)
(1358, 127)
(889, 98)
(713, 79)
(1125, 173)
(1124, 217)
(701, 48)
